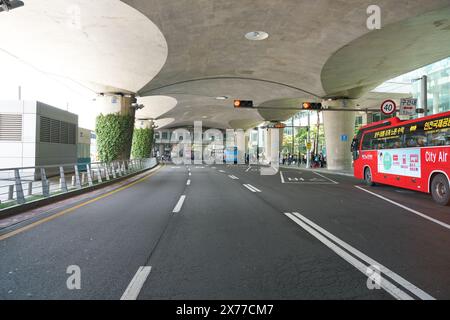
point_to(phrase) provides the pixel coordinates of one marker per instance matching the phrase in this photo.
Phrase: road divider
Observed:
(179, 204)
(420, 214)
(362, 262)
(136, 284)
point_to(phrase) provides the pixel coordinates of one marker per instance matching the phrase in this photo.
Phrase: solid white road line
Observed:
(406, 208)
(251, 188)
(179, 204)
(335, 182)
(397, 278)
(188, 183)
(385, 284)
(282, 176)
(135, 286)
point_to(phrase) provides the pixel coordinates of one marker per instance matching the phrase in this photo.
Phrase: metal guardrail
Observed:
(21, 185)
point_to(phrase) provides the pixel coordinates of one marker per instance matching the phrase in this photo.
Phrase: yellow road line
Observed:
(59, 214)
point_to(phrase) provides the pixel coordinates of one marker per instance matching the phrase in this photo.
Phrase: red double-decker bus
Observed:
(412, 154)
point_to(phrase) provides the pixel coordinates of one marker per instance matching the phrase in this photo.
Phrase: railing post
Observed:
(77, 177)
(113, 171)
(44, 183)
(89, 175)
(106, 172)
(30, 188)
(124, 168)
(19, 190)
(62, 180)
(119, 168)
(99, 175)
(11, 192)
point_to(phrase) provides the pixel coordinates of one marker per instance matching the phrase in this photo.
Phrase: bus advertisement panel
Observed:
(413, 154)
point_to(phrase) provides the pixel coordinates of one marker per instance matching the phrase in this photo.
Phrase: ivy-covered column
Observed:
(114, 127)
(142, 139)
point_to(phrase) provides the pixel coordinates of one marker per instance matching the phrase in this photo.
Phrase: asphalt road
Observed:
(227, 232)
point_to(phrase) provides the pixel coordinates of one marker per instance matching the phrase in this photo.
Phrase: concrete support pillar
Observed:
(143, 124)
(339, 129)
(115, 103)
(241, 145)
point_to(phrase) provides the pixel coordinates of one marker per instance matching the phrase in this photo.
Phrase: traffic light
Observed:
(312, 106)
(243, 103)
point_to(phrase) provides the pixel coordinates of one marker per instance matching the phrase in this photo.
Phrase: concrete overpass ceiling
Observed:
(102, 40)
(394, 50)
(155, 106)
(208, 50)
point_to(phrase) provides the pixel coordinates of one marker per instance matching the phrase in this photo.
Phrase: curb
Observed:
(17, 209)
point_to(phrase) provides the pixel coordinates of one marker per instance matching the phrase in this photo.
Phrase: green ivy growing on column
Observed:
(114, 136)
(142, 143)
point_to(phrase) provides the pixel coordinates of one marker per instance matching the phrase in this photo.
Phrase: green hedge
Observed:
(142, 143)
(114, 136)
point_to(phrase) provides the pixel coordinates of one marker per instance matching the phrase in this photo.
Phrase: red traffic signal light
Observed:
(243, 104)
(311, 106)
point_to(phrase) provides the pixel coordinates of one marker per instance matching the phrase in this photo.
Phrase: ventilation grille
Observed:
(10, 127)
(55, 131)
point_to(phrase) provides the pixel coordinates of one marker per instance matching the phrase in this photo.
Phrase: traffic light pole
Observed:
(308, 150)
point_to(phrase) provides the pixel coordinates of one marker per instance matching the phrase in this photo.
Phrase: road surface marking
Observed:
(222, 171)
(233, 177)
(335, 182)
(68, 210)
(251, 188)
(199, 167)
(176, 168)
(248, 169)
(282, 177)
(333, 243)
(136, 284)
(188, 183)
(190, 174)
(406, 208)
(303, 181)
(179, 204)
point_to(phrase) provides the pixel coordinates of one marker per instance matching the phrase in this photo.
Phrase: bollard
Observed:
(11, 192)
(77, 177)
(30, 188)
(45, 184)
(99, 175)
(89, 175)
(62, 180)
(114, 172)
(20, 198)
(106, 173)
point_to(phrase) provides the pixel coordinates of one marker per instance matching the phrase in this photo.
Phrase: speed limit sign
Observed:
(388, 107)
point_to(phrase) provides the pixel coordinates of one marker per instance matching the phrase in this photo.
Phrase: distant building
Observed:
(35, 134)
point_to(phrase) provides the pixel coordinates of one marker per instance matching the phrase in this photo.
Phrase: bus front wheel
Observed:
(440, 190)
(368, 177)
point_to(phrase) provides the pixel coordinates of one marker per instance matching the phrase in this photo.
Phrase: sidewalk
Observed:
(348, 173)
